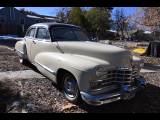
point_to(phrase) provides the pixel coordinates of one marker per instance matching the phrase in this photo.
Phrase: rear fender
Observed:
(20, 48)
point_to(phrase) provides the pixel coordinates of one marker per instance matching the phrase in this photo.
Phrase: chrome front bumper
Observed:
(127, 92)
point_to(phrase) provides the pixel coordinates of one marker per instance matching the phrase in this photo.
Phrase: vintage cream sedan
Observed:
(85, 70)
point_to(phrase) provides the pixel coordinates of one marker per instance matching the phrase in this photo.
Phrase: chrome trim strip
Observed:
(103, 88)
(111, 78)
(46, 68)
(20, 51)
(110, 82)
(100, 99)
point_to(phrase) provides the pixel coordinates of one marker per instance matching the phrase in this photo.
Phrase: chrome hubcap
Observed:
(70, 87)
(20, 60)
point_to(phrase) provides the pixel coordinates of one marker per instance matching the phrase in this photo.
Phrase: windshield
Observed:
(68, 34)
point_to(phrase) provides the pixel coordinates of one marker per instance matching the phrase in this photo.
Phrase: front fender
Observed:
(80, 67)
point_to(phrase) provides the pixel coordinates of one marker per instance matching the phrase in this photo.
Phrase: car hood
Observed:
(113, 55)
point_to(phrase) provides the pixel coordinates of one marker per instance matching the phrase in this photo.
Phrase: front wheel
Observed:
(70, 88)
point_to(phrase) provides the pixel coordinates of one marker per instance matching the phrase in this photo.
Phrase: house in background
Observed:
(14, 21)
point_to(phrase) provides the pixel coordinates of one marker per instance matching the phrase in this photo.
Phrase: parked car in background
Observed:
(95, 72)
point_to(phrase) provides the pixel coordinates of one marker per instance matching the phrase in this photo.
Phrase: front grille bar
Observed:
(119, 75)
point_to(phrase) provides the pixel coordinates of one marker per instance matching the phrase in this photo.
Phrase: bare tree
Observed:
(136, 19)
(152, 19)
(63, 14)
(147, 18)
(121, 23)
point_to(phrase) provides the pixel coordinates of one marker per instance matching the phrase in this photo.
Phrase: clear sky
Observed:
(127, 10)
(51, 11)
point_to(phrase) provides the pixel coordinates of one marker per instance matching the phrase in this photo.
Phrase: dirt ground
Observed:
(9, 60)
(40, 95)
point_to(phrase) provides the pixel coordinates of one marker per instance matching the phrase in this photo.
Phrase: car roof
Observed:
(50, 24)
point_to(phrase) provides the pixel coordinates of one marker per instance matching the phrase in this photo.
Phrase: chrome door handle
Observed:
(34, 41)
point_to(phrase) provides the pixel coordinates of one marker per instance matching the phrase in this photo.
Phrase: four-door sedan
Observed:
(94, 72)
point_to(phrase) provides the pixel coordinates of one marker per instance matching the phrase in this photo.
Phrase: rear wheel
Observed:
(70, 88)
(22, 61)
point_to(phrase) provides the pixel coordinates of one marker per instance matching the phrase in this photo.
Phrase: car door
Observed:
(29, 38)
(42, 42)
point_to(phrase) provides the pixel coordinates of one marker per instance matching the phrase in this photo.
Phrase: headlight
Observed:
(101, 69)
(101, 72)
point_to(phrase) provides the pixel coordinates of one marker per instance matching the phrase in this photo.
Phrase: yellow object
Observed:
(139, 50)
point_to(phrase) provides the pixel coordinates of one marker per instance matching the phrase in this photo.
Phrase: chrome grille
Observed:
(121, 75)
(114, 77)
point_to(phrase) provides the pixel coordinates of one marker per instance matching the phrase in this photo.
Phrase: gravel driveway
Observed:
(40, 95)
(9, 60)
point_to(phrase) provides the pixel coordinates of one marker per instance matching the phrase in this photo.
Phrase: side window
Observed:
(42, 33)
(31, 32)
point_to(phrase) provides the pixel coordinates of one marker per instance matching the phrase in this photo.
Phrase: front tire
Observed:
(70, 88)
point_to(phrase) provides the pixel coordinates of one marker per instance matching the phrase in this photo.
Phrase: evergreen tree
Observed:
(100, 19)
